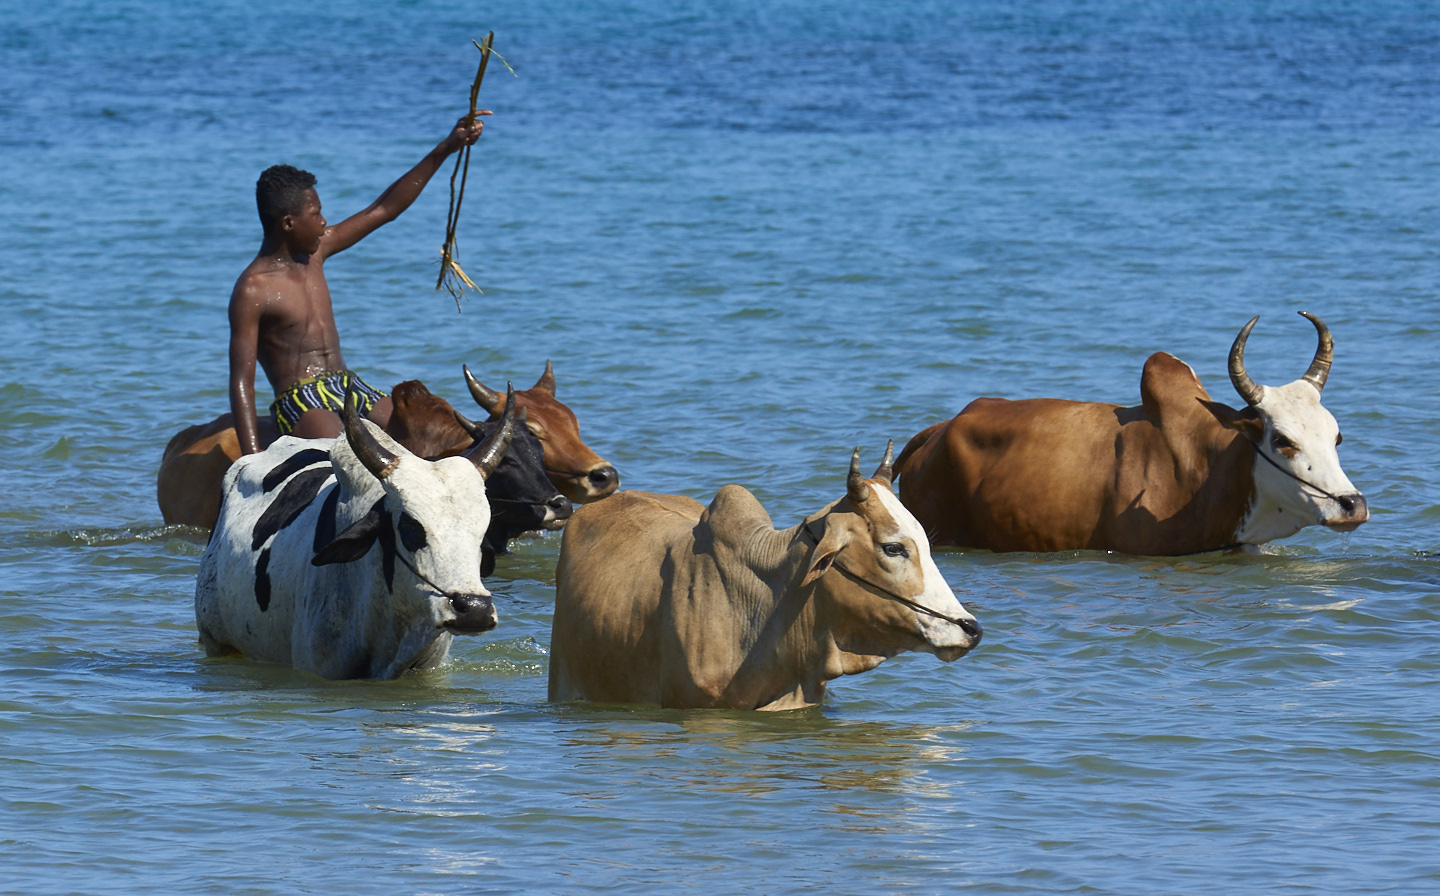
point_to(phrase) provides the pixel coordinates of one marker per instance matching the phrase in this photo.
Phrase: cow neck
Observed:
(873, 588)
(1209, 487)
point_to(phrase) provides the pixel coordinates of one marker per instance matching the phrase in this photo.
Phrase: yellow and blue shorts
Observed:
(326, 391)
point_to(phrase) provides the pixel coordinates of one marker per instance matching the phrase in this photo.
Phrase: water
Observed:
(751, 237)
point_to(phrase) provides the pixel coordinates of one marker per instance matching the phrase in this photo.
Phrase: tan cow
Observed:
(660, 600)
(187, 486)
(1178, 474)
(193, 466)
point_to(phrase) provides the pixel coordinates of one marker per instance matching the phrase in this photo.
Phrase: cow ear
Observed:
(355, 542)
(826, 550)
(1247, 422)
(819, 565)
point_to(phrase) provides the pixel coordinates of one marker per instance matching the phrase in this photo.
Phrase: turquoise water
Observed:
(750, 237)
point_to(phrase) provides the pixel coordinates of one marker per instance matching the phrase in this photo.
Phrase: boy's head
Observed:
(281, 191)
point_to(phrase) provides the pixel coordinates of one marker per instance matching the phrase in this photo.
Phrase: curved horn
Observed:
(885, 471)
(1324, 354)
(547, 379)
(378, 459)
(855, 483)
(486, 455)
(1243, 384)
(475, 430)
(488, 399)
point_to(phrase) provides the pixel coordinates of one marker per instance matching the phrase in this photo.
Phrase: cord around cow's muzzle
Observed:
(1271, 461)
(451, 596)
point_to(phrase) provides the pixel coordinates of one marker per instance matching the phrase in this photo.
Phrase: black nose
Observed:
(972, 628)
(602, 478)
(473, 613)
(561, 506)
(1354, 506)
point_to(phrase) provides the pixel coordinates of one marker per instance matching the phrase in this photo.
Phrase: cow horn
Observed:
(1324, 354)
(547, 379)
(378, 459)
(487, 398)
(1243, 384)
(486, 456)
(855, 483)
(885, 471)
(476, 430)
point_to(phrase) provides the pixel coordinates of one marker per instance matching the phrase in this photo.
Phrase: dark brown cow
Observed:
(1178, 474)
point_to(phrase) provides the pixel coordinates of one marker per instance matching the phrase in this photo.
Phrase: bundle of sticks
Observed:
(452, 277)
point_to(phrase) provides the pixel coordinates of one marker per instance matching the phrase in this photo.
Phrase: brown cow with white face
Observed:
(1179, 474)
(660, 600)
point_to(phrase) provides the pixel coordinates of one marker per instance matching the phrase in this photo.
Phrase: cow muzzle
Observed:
(602, 481)
(969, 638)
(558, 510)
(1353, 512)
(582, 486)
(474, 613)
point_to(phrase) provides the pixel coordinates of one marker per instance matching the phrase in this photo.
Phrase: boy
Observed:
(280, 309)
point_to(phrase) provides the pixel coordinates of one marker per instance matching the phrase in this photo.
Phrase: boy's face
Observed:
(308, 226)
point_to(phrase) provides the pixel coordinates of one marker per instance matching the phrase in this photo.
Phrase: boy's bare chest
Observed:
(299, 303)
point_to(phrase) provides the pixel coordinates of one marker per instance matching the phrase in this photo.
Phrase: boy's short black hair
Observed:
(280, 191)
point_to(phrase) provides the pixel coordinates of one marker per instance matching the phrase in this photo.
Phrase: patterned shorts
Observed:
(325, 391)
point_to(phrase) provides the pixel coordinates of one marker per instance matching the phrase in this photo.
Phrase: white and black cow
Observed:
(357, 562)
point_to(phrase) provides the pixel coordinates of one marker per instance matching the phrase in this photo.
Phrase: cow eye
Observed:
(1284, 445)
(894, 549)
(412, 534)
(1338, 439)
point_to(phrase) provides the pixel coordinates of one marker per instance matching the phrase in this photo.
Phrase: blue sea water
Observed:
(750, 237)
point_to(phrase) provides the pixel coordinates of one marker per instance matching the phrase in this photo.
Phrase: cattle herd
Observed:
(362, 556)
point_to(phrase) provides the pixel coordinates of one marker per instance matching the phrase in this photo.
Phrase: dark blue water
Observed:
(750, 237)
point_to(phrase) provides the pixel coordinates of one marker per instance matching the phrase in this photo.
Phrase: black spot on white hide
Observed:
(262, 580)
(292, 501)
(326, 524)
(293, 464)
(357, 539)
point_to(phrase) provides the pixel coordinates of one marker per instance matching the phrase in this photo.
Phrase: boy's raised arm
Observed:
(399, 195)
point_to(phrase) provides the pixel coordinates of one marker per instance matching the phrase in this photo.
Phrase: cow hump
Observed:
(1169, 386)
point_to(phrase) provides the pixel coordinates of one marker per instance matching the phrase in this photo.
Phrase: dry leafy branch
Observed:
(452, 277)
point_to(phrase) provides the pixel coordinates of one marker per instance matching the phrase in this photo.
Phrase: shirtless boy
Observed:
(280, 311)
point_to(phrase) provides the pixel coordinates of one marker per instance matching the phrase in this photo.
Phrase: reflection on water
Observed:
(755, 754)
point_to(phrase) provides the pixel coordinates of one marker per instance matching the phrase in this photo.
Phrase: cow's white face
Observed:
(1298, 479)
(904, 555)
(875, 567)
(438, 513)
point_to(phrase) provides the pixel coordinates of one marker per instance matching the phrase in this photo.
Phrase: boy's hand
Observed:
(466, 133)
